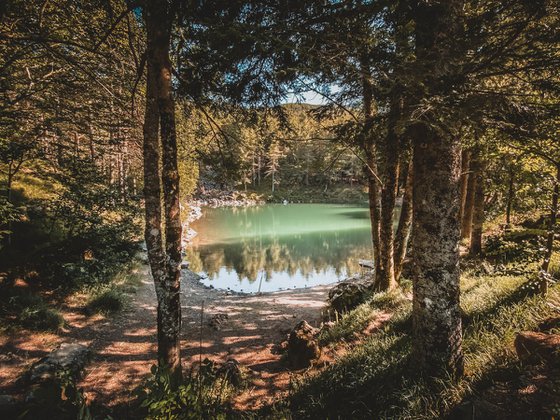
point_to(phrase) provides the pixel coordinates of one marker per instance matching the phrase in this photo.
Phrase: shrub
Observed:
(523, 247)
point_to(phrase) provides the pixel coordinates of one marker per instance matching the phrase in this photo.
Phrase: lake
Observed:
(277, 247)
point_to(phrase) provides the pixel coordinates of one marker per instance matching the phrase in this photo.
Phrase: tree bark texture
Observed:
(390, 149)
(437, 335)
(382, 196)
(164, 250)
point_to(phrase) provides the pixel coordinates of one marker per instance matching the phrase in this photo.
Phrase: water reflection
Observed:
(278, 247)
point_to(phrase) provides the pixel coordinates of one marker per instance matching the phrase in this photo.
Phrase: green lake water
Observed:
(276, 247)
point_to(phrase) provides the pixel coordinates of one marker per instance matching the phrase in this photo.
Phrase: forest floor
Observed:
(247, 328)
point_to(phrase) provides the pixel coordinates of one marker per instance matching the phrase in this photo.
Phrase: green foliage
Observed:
(8, 214)
(524, 246)
(377, 379)
(358, 319)
(201, 395)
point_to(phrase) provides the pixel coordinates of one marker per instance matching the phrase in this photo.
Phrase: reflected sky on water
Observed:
(276, 247)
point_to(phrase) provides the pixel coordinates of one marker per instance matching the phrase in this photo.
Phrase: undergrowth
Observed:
(202, 394)
(378, 379)
(359, 318)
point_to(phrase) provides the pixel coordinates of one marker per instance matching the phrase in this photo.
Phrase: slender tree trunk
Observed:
(436, 316)
(467, 214)
(405, 223)
(259, 170)
(164, 259)
(374, 206)
(550, 232)
(465, 163)
(10, 180)
(91, 141)
(478, 212)
(385, 280)
(510, 196)
(374, 191)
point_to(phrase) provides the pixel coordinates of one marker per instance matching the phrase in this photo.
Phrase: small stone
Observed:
(327, 325)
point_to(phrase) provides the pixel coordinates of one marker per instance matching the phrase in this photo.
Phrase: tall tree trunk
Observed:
(510, 195)
(405, 223)
(478, 212)
(374, 193)
(550, 232)
(259, 170)
(436, 316)
(164, 259)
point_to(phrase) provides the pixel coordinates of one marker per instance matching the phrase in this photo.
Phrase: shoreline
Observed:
(192, 280)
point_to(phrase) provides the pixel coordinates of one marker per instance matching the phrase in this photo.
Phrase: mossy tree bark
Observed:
(160, 143)
(437, 334)
(390, 149)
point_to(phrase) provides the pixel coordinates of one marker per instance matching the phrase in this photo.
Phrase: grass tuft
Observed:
(358, 319)
(106, 301)
(35, 314)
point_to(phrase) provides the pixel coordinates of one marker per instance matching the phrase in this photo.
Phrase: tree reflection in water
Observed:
(277, 247)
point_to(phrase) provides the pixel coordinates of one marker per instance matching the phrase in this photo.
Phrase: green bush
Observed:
(519, 246)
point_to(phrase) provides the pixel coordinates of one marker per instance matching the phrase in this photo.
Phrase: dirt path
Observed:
(125, 346)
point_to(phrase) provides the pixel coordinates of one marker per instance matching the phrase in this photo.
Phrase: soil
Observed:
(217, 325)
